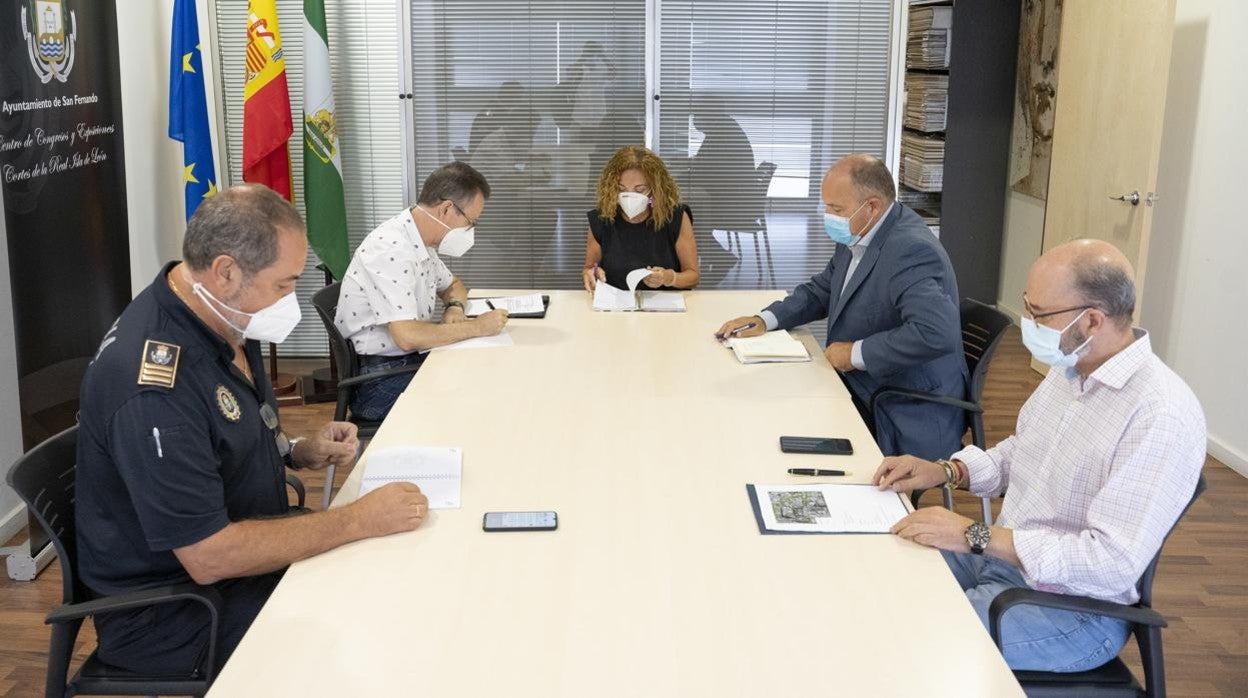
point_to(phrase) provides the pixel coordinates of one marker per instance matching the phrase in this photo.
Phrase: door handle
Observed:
(1133, 198)
(1152, 198)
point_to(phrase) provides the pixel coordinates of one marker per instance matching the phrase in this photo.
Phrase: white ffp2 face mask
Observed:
(457, 241)
(271, 324)
(633, 203)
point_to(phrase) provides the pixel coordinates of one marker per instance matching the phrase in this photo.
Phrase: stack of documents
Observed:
(928, 44)
(826, 508)
(922, 161)
(773, 347)
(927, 101)
(611, 299)
(530, 305)
(437, 471)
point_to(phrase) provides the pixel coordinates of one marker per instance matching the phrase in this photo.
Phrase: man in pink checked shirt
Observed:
(1104, 458)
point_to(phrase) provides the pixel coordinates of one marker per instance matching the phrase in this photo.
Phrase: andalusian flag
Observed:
(188, 107)
(266, 102)
(322, 168)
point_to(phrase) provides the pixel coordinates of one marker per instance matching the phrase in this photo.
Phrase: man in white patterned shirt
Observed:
(1105, 457)
(396, 276)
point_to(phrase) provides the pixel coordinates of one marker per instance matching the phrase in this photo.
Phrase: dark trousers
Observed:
(172, 638)
(372, 400)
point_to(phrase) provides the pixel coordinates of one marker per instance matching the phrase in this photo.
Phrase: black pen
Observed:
(816, 473)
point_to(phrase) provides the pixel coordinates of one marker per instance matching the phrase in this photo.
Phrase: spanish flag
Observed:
(266, 103)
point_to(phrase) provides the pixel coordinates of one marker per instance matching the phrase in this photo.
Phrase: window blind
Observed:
(758, 99)
(537, 96)
(364, 60)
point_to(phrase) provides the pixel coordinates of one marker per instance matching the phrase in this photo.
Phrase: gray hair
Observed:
(242, 223)
(1106, 286)
(870, 177)
(454, 181)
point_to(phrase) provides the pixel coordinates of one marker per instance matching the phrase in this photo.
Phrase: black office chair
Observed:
(1113, 679)
(756, 227)
(348, 363)
(983, 326)
(44, 479)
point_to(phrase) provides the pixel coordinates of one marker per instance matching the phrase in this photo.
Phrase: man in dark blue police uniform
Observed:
(181, 460)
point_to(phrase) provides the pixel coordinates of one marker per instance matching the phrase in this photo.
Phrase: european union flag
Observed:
(188, 107)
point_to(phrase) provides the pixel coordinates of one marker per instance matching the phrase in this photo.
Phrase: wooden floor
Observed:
(1201, 588)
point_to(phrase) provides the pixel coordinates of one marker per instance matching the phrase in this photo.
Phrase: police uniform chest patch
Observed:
(228, 404)
(160, 364)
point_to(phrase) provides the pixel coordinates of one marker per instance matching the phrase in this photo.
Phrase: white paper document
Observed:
(517, 305)
(663, 301)
(609, 298)
(777, 346)
(502, 339)
(634, 278)
(476, 307)
(437, 471)
(829, 508)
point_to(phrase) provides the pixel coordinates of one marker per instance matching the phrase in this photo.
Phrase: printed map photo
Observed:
(798, 507)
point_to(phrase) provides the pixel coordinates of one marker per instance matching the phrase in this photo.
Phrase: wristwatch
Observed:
(978, 535)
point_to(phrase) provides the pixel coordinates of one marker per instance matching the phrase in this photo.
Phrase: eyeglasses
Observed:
(1038, 316)
(471, 222)
(279, 437)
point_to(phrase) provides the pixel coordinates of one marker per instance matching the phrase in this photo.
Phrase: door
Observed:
(1113, 66)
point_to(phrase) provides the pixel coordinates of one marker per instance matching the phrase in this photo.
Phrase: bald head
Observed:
(867, 175)
(1089, 273)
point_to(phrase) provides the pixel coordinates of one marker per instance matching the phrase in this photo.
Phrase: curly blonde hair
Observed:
(663, 189)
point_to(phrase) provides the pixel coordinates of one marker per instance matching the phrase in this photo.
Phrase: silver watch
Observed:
(978, 535)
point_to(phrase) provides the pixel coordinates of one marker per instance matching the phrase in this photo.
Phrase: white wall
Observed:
(1195, 295)
(153, 160)
(1024, 239)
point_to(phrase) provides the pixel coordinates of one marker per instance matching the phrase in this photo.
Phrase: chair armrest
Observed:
(207, 596)
(1080, 604)
(365, 377)
(922, 397)
(296, 484)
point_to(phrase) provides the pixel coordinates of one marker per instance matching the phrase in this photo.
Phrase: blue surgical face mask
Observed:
(837, 227)
(1045, 343)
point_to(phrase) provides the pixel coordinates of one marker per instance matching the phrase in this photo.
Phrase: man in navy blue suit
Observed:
(891, 302)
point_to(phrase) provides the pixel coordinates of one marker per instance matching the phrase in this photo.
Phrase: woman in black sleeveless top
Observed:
(646, 225)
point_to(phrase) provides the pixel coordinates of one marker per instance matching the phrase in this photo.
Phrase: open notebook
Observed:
(611, 299)
(437, 471)
(777, 346)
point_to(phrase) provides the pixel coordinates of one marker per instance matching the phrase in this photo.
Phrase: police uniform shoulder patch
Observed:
(228, 404)
(160, 364)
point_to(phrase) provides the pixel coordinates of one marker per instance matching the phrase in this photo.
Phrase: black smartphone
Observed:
(816, 444)
(520, 521)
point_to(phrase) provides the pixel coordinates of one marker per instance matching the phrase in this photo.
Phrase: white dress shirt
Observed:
(856, 251)
(393, 276)
(1098, 471)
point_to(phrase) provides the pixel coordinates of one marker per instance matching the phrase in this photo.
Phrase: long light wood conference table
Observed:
(641, 431)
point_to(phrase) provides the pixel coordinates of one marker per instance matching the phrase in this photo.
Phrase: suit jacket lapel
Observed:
(840, 265)
(864, 267)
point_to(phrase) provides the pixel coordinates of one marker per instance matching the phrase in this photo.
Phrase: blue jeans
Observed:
(372, 400)
(1034, 638)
